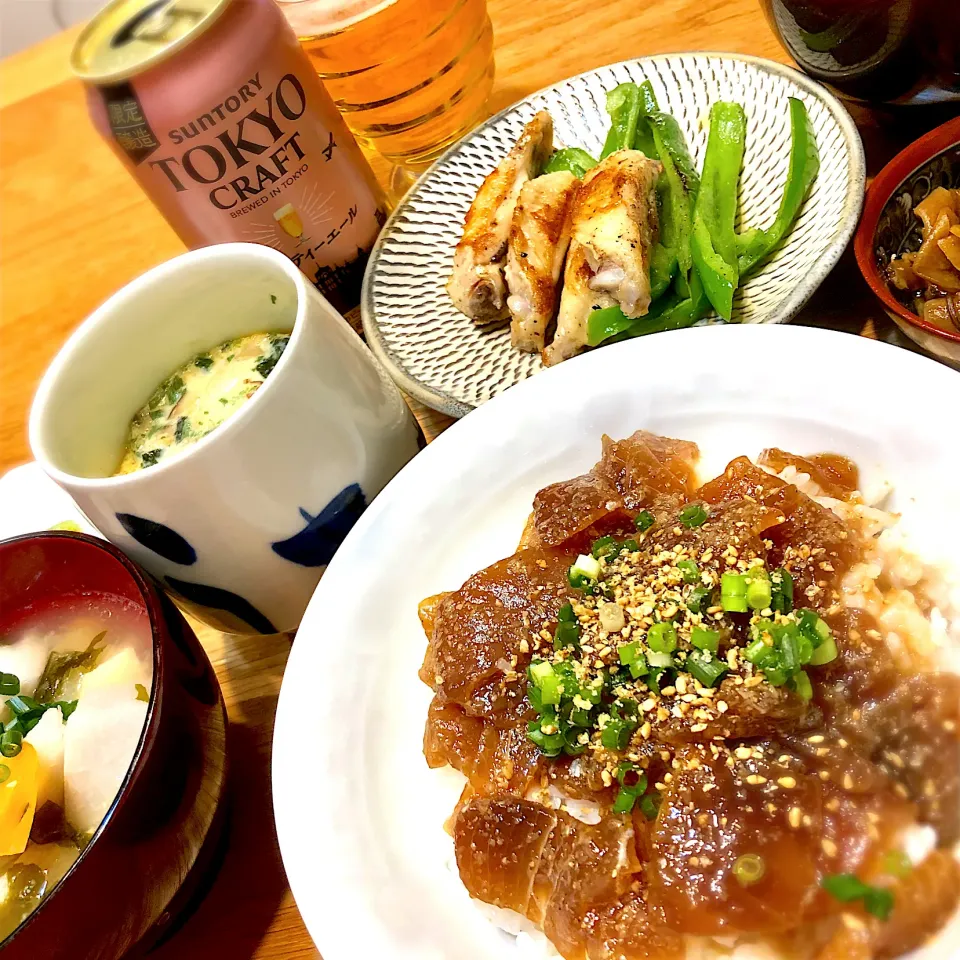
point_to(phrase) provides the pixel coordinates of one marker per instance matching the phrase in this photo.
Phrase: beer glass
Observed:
(409, 76)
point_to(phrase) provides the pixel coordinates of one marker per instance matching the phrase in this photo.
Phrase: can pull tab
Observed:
(159, 23)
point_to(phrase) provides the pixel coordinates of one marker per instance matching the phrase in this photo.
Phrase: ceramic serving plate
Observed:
(359, 816)
(446, 361)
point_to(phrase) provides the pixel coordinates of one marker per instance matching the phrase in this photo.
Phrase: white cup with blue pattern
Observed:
(239, 525)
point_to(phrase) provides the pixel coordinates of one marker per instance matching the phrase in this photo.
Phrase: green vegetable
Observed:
(660, 660)
(749, 869)
(182, 429)
(9, 684)
(629, 546)
(265, 364)
(759, 594)
(631, 657)
(203, 362)
(754, 246)
(572, 159)
(644, 520)
(689, 571)
(150, 458)
(623, 105)
(897, 863)
(604, 547)
(826, 652)
(584, 572)
(846, 888)
(11, 743)
(693, 515)
(567, 635)
(703, 639)
(273, 298)
(650, 804)
(713, 243)
(662, 638)
(706, 668)
(633, 784)
(800, 684)
(4, 773)
(782, 588)
(699, 599)
(60, 679)
(617, 733)
(733, 592)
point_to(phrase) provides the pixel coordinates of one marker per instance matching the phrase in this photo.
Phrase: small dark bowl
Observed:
(159, 838)
(889, 227)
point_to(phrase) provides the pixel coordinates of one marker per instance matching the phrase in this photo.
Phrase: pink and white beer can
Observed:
(215, 109)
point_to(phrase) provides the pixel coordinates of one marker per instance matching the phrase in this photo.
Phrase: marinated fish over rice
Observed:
(694, 720)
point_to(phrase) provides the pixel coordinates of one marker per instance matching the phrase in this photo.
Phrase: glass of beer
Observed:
(409, 76)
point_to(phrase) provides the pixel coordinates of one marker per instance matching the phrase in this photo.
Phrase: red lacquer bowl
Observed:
(889, 226)
(158, 841)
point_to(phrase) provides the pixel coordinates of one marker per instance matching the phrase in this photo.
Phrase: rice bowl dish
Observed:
(553, 753)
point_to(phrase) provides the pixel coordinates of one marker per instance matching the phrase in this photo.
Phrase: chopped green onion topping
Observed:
(629, 545)
(585, 571)
(897, 863)
(846, 888)
(604, 547)
(566, 614)
(705, 668)
(693, 515)
(650, 804)
(644, 520)
(800, 684)
(631, 657)
(566, 635)
(782, 584)
(662, 638)
(704, 639)
(749, 869)
(699, 598)
(662, 661)
(733, 593)
(617, 733)
(826, 652)
(689, 570)
(759, 594)
(11, 743)
(9, 684)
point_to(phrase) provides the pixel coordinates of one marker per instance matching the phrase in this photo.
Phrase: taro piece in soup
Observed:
(74, 692)
(198, 397)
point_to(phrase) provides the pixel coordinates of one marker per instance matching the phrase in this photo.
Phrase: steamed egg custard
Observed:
(74, 694)
(199, 396)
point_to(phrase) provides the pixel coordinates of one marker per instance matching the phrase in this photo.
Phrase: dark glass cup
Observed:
(879, 51)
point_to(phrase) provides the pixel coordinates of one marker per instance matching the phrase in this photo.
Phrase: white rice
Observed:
(933, 642)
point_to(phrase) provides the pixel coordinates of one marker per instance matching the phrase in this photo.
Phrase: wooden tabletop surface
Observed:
(74, 227)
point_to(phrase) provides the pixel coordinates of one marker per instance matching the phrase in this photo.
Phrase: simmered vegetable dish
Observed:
(695, 720)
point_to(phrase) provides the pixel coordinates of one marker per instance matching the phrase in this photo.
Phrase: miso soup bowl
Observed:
(240, 525)
(154, 849)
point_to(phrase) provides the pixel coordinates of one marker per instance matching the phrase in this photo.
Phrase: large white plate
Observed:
(359, 815)
(448, 362)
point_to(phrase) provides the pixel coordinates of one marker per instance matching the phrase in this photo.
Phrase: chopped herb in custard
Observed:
(200, 396)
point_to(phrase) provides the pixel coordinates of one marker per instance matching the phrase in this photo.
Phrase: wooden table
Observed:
(75, 227)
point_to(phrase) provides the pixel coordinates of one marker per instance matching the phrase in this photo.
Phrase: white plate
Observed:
(359, 815)
(30, 502)
(448, 362)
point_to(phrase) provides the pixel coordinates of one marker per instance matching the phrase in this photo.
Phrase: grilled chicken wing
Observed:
(538, 243)
(476, 285)
(614, 226)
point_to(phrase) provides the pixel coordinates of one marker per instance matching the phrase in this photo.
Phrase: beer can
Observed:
(215, 109)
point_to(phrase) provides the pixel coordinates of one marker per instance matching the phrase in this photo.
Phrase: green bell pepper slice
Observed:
(713, 243)
(572, 159)
(754, 246)
(623, 105)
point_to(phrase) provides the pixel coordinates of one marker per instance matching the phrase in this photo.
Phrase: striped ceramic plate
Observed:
(443, 359)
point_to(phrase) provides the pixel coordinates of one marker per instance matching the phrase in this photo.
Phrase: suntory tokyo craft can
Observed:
(215, 109)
